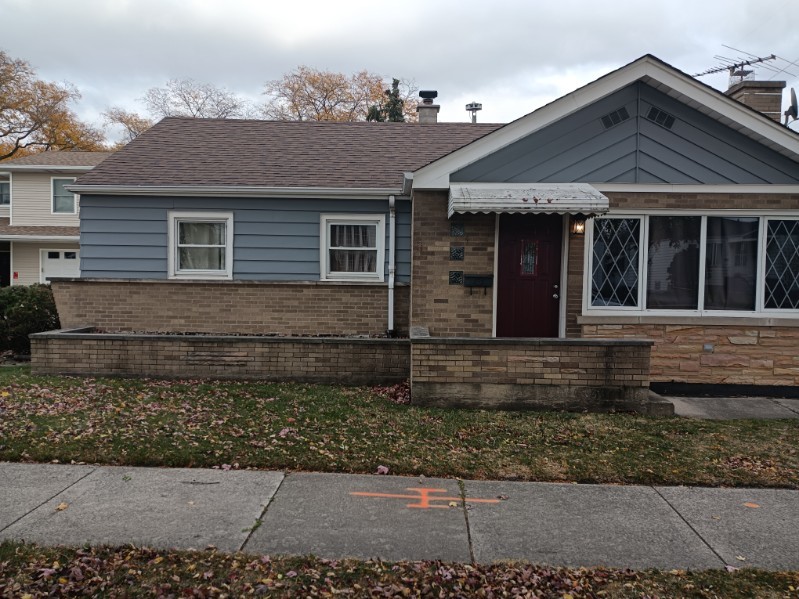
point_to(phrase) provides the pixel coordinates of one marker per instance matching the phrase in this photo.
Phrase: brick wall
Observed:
(620, 201)
(229, 307)
(449, 310)
(574, 374)
(346, 361)
(741, 355)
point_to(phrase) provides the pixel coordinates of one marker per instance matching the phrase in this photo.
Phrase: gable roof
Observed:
(648, 69)
(55, 160)
(184, 154)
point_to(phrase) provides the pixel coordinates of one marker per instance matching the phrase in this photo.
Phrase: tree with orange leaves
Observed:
(308, 94)
(35, 115)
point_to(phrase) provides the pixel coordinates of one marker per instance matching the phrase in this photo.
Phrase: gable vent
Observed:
(664, 119)
(615, 117)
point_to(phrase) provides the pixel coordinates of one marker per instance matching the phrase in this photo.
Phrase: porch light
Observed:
(578, 225)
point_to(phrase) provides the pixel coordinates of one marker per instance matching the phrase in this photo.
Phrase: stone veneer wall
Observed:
(229, 306)
(345, 361)
(450, 310)
(569, 374)
(740, 355)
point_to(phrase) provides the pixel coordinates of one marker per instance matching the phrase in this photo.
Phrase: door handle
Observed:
(555, 295)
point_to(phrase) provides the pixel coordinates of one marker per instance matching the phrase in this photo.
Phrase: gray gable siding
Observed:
(274, 239)
(577, 148)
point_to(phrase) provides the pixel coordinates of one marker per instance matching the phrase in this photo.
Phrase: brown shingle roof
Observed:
(185, 151)
(87, 159)
(7, 230)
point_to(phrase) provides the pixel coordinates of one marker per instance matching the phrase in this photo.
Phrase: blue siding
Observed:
(274, 239)
(696, 150)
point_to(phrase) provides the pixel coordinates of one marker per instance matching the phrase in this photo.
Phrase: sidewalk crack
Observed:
(69, 486)
(781, 405)
(259, 520)
(688, 524)
(462, 487)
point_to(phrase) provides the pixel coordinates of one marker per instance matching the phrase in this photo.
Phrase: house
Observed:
(39, 217)
(643, 209)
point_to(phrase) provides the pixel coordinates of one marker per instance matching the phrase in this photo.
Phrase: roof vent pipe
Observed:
(473, 107)
(428, 112)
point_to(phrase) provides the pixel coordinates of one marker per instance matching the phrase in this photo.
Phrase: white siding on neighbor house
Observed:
(25, 260)
(31, 201)
(5, 211)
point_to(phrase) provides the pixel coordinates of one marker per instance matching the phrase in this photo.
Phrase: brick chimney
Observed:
(428, 112)
(763, 96)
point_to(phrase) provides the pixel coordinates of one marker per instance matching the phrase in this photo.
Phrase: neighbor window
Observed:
(201, 245)
(63, 200)
(705, 264)
(5, 193)
(352, 247)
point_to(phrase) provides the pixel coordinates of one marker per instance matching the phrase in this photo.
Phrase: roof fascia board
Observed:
(226, 191)
(47, 168)
(671, 188)
(436, 174)
(7, 237)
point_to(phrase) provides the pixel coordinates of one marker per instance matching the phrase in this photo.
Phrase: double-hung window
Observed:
(63, 201)
(352, 247)
(5, 193)
(201, 245)
(722, 263)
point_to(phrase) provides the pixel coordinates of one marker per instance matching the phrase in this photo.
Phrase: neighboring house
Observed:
(469, 230)
(39, 217)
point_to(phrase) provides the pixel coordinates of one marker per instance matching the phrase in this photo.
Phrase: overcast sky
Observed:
(513, 56)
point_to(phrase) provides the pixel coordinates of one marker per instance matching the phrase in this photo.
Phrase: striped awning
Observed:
(526, 198)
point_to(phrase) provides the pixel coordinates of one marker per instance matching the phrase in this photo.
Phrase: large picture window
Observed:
(63, 200)
(351, 247)
(706, 264)
(200, 245)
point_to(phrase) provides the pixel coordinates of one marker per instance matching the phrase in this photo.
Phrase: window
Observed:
(201, 245)
(352, 247)
(5, 193)
(709, 264)
(64, 202)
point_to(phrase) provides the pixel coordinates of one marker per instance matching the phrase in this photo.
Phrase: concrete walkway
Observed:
(733, 408)
(401, 518)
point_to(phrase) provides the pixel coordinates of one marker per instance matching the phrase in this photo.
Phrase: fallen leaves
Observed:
(61, 506)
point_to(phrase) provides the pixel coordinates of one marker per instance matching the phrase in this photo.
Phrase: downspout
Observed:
(392, 221)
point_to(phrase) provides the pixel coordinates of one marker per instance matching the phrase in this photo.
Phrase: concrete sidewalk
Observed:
(400, 518)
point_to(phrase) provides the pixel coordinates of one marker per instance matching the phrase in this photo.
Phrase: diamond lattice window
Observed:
(614, 277)
(782, 265)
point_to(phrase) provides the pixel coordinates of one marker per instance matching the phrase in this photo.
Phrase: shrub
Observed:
(25, 310)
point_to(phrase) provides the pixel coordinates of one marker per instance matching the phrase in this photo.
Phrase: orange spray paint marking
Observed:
(424, 498)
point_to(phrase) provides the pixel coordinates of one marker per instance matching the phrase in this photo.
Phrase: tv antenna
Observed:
(736, 69)
(793, 109)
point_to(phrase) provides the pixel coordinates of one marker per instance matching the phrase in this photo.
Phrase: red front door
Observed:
(528, 290)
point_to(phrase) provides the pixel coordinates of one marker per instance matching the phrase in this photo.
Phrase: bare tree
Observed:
(186, 97)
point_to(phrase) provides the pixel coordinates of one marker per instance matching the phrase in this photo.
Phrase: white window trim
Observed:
(172, 239)
(326, 220)
(641, 310)
(52, 197)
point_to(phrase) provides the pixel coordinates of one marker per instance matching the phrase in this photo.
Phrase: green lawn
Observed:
(30, 571)
(340, 429)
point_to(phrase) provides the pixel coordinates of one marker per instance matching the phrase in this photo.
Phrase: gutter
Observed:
(75, 238)
(392, 224)
(239, 191)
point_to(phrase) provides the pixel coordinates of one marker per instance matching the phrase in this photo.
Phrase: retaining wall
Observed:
(318, 360)
(595, 375)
